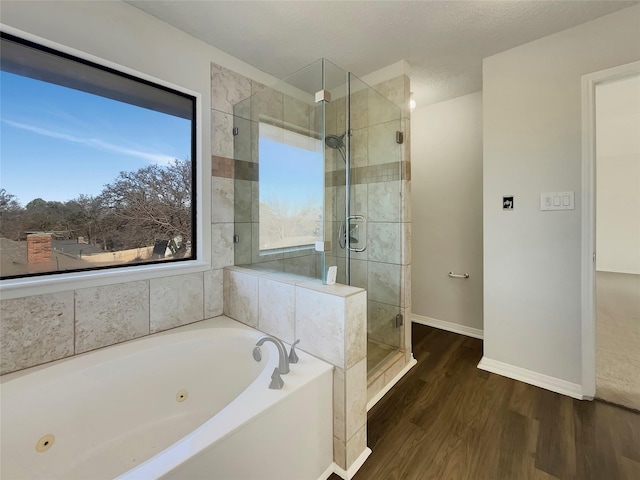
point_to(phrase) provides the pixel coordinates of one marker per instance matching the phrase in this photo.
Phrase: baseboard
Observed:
(376, 398)
(353, 469)
(606, 270)
(449, 326)
(533, 378)
(327, 473)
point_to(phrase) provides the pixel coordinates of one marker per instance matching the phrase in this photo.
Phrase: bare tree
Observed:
(84, 218)
(282, 219)
(10, 218)
(152, 202)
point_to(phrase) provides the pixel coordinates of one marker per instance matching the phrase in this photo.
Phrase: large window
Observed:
(291, 188)
(97, 166)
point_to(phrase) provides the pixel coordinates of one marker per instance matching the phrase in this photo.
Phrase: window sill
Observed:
(26, 287)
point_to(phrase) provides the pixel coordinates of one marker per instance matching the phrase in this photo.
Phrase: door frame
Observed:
(588, 307)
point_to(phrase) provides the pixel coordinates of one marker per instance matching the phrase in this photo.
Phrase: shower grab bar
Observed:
(458, 275)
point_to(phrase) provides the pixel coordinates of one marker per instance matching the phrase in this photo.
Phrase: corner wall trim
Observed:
(552, 384)
(449, 326)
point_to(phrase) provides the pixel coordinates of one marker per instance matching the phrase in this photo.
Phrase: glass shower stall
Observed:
(318, 184)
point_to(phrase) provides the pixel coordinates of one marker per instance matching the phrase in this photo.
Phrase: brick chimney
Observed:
(38, 248)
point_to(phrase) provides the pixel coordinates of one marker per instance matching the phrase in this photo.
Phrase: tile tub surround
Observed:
(330, 322)
(42, 328)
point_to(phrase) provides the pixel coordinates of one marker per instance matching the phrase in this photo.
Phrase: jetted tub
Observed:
(191, 403)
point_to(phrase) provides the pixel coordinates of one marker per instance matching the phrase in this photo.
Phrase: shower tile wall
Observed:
(381, 192)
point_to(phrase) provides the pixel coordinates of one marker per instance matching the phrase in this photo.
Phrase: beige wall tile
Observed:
(296, 112)
(384, 201)
(243, 142)
(405, 297)
(406, 344)
(381, 323)
(243, 297)
(320, 324)
(384, 243)
(176, 301)
(340, 452)
(221, 134)
(111, 314)
(339, 404)
(221, 245)
(359, 272)
(359, 150)
(406, 201)
(227, 88)
(242, 249)
(356, 397)
(213, 293)
(356, 445)
(382, 143)
(243, 200)
(394, 91)
(359, 109)
(304, 266)
(381, 109)
(277, 308)
(384, 283)
(36, 330)
(222, 200)
(269, 103)
(356, 328)
(406, 243)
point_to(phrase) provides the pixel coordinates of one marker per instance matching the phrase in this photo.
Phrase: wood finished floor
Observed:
(447, 420)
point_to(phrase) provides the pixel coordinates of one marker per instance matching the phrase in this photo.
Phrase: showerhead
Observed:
(335, 141)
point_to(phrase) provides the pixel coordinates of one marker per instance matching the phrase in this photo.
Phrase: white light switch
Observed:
(557, 201)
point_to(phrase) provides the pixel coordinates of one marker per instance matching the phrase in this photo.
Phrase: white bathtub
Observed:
(186, 404)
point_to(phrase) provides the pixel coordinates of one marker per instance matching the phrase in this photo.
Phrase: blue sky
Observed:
(57, 143)
(290, 173)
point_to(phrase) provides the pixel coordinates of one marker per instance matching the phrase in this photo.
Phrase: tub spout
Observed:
(283, 363)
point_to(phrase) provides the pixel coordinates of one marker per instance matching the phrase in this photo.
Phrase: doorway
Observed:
(611, 236)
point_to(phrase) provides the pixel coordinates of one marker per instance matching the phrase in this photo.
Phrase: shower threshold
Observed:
(377, 355)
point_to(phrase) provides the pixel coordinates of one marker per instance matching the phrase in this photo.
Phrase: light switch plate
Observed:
(557, 201)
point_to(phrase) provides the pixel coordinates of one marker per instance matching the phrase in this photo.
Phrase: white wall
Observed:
(532, 144)
(446, 170)
(618, 176)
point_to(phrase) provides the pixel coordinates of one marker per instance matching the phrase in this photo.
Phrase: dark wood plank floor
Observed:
(448, 420)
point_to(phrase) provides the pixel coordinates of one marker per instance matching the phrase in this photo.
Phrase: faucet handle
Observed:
(293, 356)
(276, 380)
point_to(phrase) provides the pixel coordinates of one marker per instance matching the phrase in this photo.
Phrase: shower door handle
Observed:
(349, 230)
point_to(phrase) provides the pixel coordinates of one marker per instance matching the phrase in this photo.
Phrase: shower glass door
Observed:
(317, 159)
(375, 208)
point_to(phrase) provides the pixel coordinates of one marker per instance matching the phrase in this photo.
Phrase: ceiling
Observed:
(444, 42)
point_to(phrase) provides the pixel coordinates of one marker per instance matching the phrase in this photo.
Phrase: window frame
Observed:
(54, 282)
